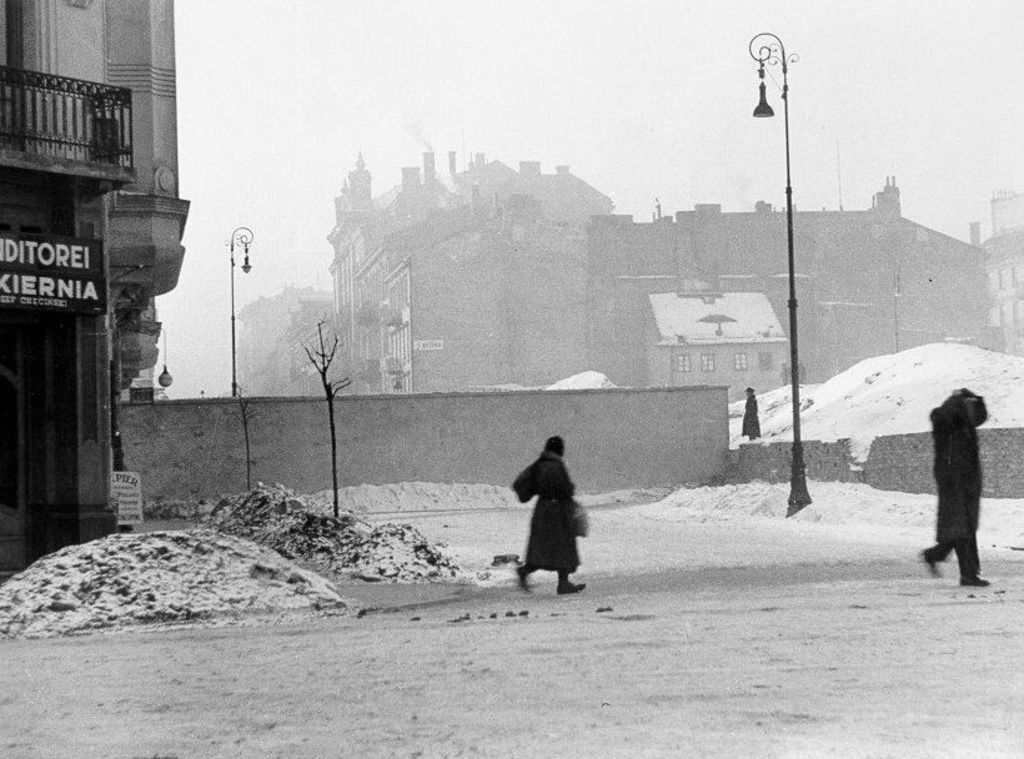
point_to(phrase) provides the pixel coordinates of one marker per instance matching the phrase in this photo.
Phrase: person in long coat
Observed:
(957, 470)
(751, 423)
(552, 542)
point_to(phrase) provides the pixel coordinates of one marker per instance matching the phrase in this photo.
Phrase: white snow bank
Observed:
(859, 510)
(891, 395)
(419, 496)
(582, 381)
(177, 576)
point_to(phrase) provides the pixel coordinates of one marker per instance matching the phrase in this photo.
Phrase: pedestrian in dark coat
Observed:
(751, 424)
(552, 542)
(957, 470)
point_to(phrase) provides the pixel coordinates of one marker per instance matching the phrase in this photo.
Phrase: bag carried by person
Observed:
(524, 484)
(580, 522)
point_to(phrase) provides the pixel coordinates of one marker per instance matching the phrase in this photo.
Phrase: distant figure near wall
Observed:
(751, 423)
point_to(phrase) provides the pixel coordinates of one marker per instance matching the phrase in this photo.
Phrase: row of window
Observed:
(1006, 278)
(684, 362)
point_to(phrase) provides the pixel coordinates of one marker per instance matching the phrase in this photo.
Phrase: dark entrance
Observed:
(38, 437)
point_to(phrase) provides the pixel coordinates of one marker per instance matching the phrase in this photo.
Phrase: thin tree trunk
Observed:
(334, 454)
(248, 457)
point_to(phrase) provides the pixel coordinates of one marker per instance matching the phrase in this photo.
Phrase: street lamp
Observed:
(767, 48)
(243, 235)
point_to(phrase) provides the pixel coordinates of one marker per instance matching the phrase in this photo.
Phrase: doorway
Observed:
(13, 522)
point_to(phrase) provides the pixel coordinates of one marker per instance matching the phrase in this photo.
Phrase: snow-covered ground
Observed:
(891, 395)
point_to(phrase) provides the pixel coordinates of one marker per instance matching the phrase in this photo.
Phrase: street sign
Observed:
(428, 345)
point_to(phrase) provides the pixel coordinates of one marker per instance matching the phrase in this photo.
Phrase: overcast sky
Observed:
(643, 100)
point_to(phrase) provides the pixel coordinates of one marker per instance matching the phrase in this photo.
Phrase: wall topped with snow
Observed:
(894, 462)
(615, 438)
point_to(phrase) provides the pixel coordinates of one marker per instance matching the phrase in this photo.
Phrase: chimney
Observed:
(561, 169)
(451, 163)
(428, 168)
(410, 178)
(887, 202)
(762, 207)
(976, 233)
(479, 161)
(529, 168)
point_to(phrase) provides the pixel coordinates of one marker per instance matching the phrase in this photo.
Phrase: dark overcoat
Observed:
(957, 467)
(751, 424)
(552, 543)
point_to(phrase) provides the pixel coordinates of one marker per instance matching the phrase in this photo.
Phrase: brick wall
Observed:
(614, 439)
(895, 462)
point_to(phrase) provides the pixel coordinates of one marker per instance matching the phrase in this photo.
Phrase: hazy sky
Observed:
(643, 100)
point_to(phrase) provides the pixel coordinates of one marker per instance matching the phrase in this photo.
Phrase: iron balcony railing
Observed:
(61, 118)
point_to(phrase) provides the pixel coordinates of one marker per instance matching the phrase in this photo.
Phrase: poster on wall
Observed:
(126, 497)
(43, 272)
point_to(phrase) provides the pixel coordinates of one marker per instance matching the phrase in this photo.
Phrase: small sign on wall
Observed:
(126, 496)
(428, 345)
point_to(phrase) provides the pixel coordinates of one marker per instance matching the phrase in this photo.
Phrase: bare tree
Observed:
(246, 413)
(321, 356)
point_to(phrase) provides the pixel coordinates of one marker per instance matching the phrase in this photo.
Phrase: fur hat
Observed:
(555, 444)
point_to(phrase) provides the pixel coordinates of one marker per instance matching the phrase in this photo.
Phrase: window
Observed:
(707, 362)
(683, 363)
(764, 362)
(739, 362)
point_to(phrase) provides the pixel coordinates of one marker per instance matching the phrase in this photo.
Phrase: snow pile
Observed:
(420, 496)
(892, 395)
(299, 527)
(582, 381)
(857, 508)
(131, 579)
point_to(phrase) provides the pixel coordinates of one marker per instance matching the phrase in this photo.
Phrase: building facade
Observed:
(90, 224)
(471, 279)
(272, 335)
(704, 338)
(868, 282)
(1004, 263)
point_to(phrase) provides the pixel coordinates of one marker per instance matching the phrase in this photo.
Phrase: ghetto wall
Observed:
(615, 439)
(895, 462)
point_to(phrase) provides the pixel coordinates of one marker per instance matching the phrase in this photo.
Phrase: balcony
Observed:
(65, 126)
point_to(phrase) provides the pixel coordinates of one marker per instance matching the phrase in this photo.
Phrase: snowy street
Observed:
(703, 632)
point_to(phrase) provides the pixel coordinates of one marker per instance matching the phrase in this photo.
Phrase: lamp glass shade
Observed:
(763, 110)
(165, 379)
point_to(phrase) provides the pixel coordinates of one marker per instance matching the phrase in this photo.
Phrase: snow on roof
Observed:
(893, 395)
(715, 318)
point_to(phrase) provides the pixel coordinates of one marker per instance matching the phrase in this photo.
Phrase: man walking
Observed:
(957, 470)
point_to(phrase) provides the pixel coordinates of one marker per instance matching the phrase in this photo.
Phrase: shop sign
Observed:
(126, 496)
(428, 345)
(52, 273)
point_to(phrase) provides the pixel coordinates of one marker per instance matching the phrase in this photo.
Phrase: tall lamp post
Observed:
(243, 236)
(768, 48)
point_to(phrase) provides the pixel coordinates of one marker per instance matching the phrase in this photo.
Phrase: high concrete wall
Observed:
(895, 462)
(614, 439)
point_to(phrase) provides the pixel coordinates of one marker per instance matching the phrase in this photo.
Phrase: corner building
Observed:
(90, 234)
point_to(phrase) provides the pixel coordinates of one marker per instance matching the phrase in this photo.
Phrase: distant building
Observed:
(1004, 263)
(474, 278)
(868, 282)
(272, 331)
(731, 339)
(91, 225)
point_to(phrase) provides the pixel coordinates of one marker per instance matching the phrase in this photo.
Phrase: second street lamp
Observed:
(243, 235)
(768, 48)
